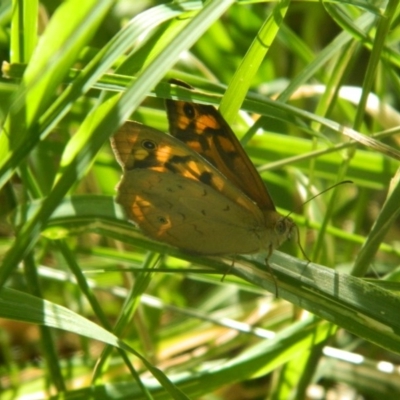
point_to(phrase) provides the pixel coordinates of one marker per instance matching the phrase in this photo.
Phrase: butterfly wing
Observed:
(176, 196)
(202, 128)
(187, 214)
(137, 146)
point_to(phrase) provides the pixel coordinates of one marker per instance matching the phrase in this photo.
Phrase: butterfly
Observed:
(196, 189)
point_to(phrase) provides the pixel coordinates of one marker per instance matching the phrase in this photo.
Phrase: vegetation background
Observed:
(92, 309)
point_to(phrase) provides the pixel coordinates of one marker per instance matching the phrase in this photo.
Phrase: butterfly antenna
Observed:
(327, 189)
(319, 194)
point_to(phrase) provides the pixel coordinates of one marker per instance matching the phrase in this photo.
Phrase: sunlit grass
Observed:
(87, 299)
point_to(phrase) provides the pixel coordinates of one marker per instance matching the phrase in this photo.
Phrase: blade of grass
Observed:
(387, 216)
(23, 30)
(20, 306)
(377, 48)
(241, 81)
(47, 68)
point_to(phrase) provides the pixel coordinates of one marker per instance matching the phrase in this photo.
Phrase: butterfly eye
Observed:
(189, 110)
(148, 144)
(162, 220)
(280, 227)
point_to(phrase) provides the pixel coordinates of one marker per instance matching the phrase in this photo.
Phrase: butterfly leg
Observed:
(228, 270)
(271, 272)
(299, 244)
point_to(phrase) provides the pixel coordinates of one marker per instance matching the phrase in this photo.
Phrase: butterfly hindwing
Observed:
(188, 214)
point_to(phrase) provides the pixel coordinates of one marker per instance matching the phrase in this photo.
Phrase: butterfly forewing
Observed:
(203, 129)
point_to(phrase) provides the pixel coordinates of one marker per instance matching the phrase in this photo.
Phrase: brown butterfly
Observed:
(197, 191)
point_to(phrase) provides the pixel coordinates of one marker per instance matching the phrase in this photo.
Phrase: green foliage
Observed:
(100, 311)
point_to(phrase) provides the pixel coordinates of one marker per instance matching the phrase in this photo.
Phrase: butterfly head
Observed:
(283, 229)
(279, 229)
